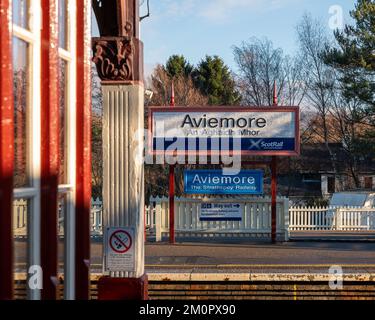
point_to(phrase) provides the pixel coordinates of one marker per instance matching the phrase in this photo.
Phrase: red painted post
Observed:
(83, 151)
(273, 182)
(6, 152)
(273, 197)
(49, 148)
(171, 188)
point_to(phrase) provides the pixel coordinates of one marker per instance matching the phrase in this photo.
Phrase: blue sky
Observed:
(195, 28)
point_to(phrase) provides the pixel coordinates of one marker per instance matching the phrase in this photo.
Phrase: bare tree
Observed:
(352, 125)
(96, 134)
(260, 65)
(295, 88)
(319, 78)
(186, 94)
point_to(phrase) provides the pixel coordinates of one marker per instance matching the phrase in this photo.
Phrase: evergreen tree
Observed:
(354, 59)
(213, 78)
(177, 66)
(355, 56)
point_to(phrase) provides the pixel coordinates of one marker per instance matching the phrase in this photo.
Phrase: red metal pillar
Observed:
(171, 189)
(83, 151)
(274, 182)
(6, 152)
(273, 198)
(49, 147)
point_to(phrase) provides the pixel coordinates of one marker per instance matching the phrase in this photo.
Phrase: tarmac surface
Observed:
(240, 256)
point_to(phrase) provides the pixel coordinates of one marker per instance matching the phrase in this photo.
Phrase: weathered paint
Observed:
(6, 152)
(83, 150)
(123, 200)
(49, 146)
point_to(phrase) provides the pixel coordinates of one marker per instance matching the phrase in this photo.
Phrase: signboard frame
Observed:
(210, 109)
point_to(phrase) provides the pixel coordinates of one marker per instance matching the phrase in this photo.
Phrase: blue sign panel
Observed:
(216, 182)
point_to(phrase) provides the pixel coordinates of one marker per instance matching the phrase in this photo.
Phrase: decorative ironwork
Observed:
(114, 58)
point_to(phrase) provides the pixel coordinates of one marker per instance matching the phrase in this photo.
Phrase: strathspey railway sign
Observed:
(216, 182)
(212, 130)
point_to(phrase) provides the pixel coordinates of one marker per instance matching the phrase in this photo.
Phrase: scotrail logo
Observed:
(255, 144)
(261, 144)
(272, 145)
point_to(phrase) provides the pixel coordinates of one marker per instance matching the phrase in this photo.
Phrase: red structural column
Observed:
(273, 198)
(83, 151)
(49, 147)
(171, 189)
(274, 182)
(6, 152)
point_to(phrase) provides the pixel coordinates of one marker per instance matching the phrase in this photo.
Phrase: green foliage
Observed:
(213, 78)
(177, 66)
(355, 56)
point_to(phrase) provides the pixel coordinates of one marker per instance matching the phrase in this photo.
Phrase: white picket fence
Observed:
(255, 222)
(331, 218)
(20, 217)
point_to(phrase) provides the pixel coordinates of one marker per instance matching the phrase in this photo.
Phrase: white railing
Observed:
(20, 217)
(255, 222)
(331, 218)
(355, 219)
(96, 217)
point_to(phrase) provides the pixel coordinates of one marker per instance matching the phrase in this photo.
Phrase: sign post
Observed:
(171, 189)
(274, 182)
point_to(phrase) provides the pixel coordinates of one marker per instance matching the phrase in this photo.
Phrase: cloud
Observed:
(215, 10)
(173, 8)
(220, 9)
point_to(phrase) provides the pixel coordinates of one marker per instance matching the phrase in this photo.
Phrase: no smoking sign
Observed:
(120, 241)
(119, 249)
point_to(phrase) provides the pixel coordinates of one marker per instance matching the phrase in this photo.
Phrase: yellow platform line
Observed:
(186, 266)
(258, 265)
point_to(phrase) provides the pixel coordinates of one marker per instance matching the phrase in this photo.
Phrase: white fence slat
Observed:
(256, 217)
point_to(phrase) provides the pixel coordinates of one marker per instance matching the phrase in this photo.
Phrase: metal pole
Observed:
(6, 152)
(273, 182)
(171, 188)
(83, 153)
(49, 149)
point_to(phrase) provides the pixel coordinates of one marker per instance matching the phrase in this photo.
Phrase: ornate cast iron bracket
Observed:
(114, 58)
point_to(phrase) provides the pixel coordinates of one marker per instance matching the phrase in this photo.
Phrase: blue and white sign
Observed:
(215, 182)
(247, 131)
(220, 211)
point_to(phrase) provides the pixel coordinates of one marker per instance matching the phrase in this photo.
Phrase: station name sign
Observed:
(239, 130)
(215, 182)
